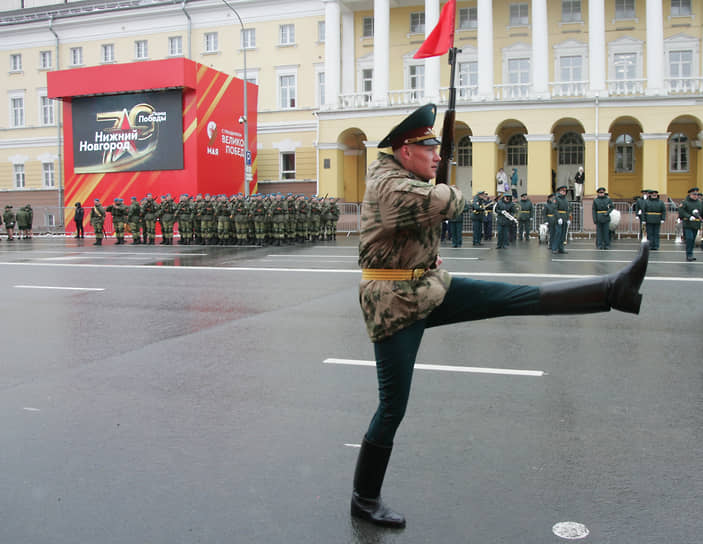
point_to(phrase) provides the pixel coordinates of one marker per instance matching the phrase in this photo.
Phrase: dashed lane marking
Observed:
(446, 368)
(59, 288)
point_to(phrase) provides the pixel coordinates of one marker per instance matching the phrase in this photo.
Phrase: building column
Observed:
(485, 51)
(539, 164)
(596, 47)
(381, 51)
(655, 48)
(485, 160)
(540, 49)
(348, 61)
(332, 49)
(431, 63)
(655, 161)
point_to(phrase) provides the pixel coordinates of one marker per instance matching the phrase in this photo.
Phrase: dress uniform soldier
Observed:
(550, 213)
(97, 220)
(504, 208)
(119, 212)
(562, 220)
(403, 290)
(602, 206)
(134, 213)
(184, 216)
(690, 213)
(525, 217)
(639, 208)
(477, 213)
(654, 216)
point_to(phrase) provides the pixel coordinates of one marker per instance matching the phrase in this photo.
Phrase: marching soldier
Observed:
(602, 206)
(654, 216)
(690, 213)
(525, 217)
(119, 212)
(97, 220)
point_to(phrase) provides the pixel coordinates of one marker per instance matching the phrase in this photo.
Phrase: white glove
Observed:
(560, 221)
(639, 212)
(662, 221)
(692, 218)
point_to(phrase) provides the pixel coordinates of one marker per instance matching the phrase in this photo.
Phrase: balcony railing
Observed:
(625, 87)
(683, 85)
(513, 91)
(568, 89)
(406, 96)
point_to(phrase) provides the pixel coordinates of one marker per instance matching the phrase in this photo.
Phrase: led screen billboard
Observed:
(129, 132)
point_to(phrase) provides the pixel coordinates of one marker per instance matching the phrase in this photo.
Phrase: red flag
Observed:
(442, 37)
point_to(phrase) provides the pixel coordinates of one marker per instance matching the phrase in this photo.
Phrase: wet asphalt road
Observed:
(179, 394)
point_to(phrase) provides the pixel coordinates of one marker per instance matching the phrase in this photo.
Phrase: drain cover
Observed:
(570, 530)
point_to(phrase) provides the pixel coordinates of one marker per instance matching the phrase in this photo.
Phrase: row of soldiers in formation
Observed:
(513, 219)
(257, 219)
(22, 219)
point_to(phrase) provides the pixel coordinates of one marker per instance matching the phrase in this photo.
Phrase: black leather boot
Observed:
(366, 500)
(619, 291)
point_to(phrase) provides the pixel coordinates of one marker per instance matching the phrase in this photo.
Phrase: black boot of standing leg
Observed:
(366, 500)
(619, 291)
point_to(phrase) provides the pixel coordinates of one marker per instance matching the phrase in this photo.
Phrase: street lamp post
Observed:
(244, 119)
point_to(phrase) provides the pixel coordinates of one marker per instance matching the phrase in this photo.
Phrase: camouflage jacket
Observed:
(401, 219)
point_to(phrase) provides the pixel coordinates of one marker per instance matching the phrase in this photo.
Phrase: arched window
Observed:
(517, 150)
(678, 153)
(464, 155)
(624, 153)
(571, 149)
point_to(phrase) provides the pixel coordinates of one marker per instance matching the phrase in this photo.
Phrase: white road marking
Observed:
(334, 271)
(562, 260)
(353, 445)
(59, 288)
(570, 530)
(30, 409)
(446, 368)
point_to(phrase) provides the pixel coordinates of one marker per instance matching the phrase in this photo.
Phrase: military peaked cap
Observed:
(600, 189)
(561, 187)
(416, 128)
(693, 189)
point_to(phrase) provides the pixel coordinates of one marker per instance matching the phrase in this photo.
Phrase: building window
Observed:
(211, 42)
(417, 22)
(624, 9)
(625, 66)
(678, 153)
(17, 111)
(468, 18)
(519, 77)
(48, 175)
(680, 8)
(288, 165)
(46, 106)
(76, 56)
(571, 68)
(320, 88)
(248, 38)
(624, 153)
(571, 149)
(108, 52)
(464, 156)
(141, 49)
(175, 46)
(286, 34)
(570, 11)
(519, 15)
(45, 60)
(16, 62)
(680, 68)
(517, 150)
(287, 90)
(19, 176)
(367, 27)
(468, 79)
(321, 31)
(416, 81)
(50, 220)
(367, 84)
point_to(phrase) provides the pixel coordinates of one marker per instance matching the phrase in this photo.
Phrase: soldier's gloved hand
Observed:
(560, 221)
(662, 221)
(692, 218)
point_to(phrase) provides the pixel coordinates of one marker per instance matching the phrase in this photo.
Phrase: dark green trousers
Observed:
(466, 300)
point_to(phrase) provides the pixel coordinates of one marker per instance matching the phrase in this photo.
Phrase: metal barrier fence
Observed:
(50, 220)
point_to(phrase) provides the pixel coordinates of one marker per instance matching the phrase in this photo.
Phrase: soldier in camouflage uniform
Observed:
(184, 216)
(403, 290)
(134, 219)
(119, 218)
(330, 230)
(150, 212)
(302, 218)
(97, 220)
(222, 214)
(279, 212)
(167, 216)
(291, 221)
(257, 213)
(240, 214)
(206, 215)
(315, 217)
(197, 230)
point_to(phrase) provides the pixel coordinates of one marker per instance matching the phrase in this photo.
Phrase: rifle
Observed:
(446, 149)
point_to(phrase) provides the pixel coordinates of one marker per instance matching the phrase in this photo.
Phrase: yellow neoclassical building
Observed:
(543, 86)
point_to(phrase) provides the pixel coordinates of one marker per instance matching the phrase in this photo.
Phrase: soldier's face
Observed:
(421, 160)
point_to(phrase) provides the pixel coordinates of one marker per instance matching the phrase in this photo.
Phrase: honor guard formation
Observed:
(259, 219)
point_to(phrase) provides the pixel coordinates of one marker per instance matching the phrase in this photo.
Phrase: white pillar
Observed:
(381, 50)
(540, 49)
(596, 46)
(431, 64)
(485, 49)
(348, 62)
(655, 47)
(332, 48)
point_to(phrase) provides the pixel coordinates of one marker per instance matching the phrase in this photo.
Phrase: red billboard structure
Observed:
(166, 126)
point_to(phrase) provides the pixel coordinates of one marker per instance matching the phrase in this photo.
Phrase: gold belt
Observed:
(563, 211)
(602, 211)
(393, 274)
